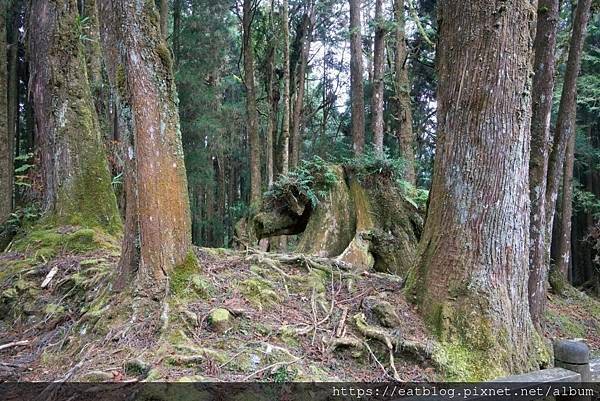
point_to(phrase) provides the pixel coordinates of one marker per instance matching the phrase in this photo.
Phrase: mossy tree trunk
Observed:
(77, 183)
(471, 280)
(158, 224)
(6, 169)
(285, 123)
(542, 90)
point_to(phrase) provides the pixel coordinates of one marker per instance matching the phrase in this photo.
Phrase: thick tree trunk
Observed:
(378, 58)
(543, 86)
(565, 122)
(161, 212)
(403, 113)
(564, 244)
(77, 184)
(271, 115)
(356, 79)
(251, 111)
(471, 280)
(6, 170)
(285, 124)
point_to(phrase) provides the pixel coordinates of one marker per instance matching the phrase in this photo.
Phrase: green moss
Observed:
(45, 243)
(183, 277)
(557, 281)
(259, 292)
(165, 55)
(566, 324)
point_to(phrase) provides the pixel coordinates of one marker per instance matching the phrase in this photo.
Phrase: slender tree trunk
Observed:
(378, 65)
(307, 26)
(77, 184)
(565, 122)
(564, 244)
(271, 116)
(403, 114)
(251, 111)
(164, 18)
(285, 125)
(6, 170)
(543, 86)
(177, 31)
(356, 79)
(471, 281)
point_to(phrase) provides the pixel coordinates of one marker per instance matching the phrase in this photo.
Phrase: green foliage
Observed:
(25, 216)
(312, 179)
(373, 163)
(22, 172)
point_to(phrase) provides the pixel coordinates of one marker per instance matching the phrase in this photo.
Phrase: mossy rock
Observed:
(183, 279)
(259, 292)
(97, 376)
(220, 320)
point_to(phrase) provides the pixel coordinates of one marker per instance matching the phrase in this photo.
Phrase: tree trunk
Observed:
(77, 183)
(471, 280)
(542, 90)
(565, 122)
(356, 79)
(403, 104)
(271, 116)
(564, 244)
(378, 59)
(296, 134)
(6, 170)
(161, 204)
(164, 18)
(285, 124)
(177, 31)
(251, 111)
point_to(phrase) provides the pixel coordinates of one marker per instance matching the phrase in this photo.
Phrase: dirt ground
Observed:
(239, 317)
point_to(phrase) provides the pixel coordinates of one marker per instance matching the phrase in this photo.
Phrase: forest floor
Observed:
(240, 316)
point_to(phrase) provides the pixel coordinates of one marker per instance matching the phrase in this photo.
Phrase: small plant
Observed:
(371, 162)
(22, 178)
(311, 179)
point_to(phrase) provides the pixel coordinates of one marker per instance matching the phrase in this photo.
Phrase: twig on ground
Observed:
(14, 344)
(285, 363)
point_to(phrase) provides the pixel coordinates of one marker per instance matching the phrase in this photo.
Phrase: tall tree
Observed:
(285, 124)
(251, 110)
(77, 183)
(158, 224)
(471, 281)
(305, 37)
(6, 169)
(356, 79)
(565, 121)
(164, 18)
(542, 90)
(403, 112)
(564, 242)
(378, 58)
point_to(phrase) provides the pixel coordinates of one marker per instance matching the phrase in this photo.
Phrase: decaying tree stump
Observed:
(363, 220)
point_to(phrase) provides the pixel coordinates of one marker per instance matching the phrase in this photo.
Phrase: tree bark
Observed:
(164, 18)
(378, 59)
(77, 183)
(271, 116)
(177, 31)
(285, 124)
(403, 103)
(296, 134)
(161, 208)
(542, 91)
(471, 280)
(565, 122)
(356, 79)
(6, 169)
(251, 111)
(564, 244)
